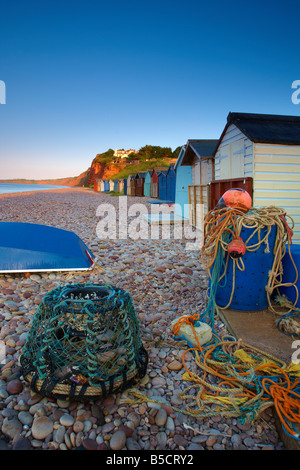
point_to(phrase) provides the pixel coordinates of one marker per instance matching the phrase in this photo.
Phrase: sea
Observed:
(20, 188)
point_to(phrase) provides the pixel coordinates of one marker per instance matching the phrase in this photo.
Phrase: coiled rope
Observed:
(249, 379)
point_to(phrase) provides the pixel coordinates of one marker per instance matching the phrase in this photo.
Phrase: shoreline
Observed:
(30, 193)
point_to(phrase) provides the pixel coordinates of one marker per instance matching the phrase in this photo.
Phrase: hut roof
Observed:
(198, 149)
(265, 128)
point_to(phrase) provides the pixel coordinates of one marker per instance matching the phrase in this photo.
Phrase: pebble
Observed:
(132, 444)
(14, 387)
(66, 420)
(163, 279)
(118, 440)
(161, 417)
(11, 427)
(89, 444)
(25, 418)
(22, 443)
(41, 427)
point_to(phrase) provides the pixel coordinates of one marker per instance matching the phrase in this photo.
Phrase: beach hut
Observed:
(125, 186)
(111, 185)
(120, 185)
(265, 148)
(140, 179)
(171, 181)
(131, 185)
(116, 185)
(199, 156)
(162, 185)
(97, 184)
(183, 181)
(129, 178)
(147, 184)
(154, 181)
(106, 185)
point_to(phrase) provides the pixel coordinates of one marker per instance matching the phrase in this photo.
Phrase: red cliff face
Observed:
(104, 171)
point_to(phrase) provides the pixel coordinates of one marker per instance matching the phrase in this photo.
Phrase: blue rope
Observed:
(288, 315)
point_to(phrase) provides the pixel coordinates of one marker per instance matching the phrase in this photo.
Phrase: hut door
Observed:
(224, 162)
(237, 159)
(204, 172)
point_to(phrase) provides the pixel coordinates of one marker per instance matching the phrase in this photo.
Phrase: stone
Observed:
(134, 417)
(180, 440)
(66, 420)
(132, 444)
(23, 443)
(11, 427)
(78, 426)
(63, 403)
(41, 427)
(118, 440)
(14, 387)
(161, 417)
(59, 434)
(211, 440)
(4, 445)
(236, 441)
(25, 418)
(89, 444)
(161, 438)
(175, 365)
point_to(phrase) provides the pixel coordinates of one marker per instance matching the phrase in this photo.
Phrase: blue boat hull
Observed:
(28, 247)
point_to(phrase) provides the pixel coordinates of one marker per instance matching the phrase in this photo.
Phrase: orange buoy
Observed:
(236, 198)
(236, 248)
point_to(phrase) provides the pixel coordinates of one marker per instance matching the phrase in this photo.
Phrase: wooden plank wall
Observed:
(198, 204)
(277, 180)
(234, 157)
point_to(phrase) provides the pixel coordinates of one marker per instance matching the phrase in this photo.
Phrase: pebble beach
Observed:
(165, 280)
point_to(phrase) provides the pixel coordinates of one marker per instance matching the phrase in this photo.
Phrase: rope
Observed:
(249, 380)
(86, 335)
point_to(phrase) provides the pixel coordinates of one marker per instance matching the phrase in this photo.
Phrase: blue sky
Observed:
(82, 77)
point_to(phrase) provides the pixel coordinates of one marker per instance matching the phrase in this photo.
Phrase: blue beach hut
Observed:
(106, 185)
(125, 186)
(183, 180)
(171, 182)
(116, 186)
(147, 184)
(162, 185)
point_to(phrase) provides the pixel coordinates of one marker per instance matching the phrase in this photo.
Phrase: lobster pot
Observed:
(247, 287)
(84, 343)
(290, 273)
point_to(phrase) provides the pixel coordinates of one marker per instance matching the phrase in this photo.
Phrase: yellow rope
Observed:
(218, 223)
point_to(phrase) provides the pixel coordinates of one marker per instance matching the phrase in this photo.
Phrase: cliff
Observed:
(104, 170)
(80, 180)
(106, 166)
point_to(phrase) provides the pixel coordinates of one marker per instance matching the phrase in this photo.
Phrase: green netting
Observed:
(84, 342)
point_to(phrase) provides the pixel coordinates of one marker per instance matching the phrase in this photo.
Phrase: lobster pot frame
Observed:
(84, 343)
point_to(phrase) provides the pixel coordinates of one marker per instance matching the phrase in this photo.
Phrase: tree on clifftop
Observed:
(153, 152)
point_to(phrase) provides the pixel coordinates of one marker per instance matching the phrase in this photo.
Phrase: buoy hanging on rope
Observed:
(236, 198)
(194, 332)
(236, 248)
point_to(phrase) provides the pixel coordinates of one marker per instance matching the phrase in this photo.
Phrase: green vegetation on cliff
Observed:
(141, 168)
